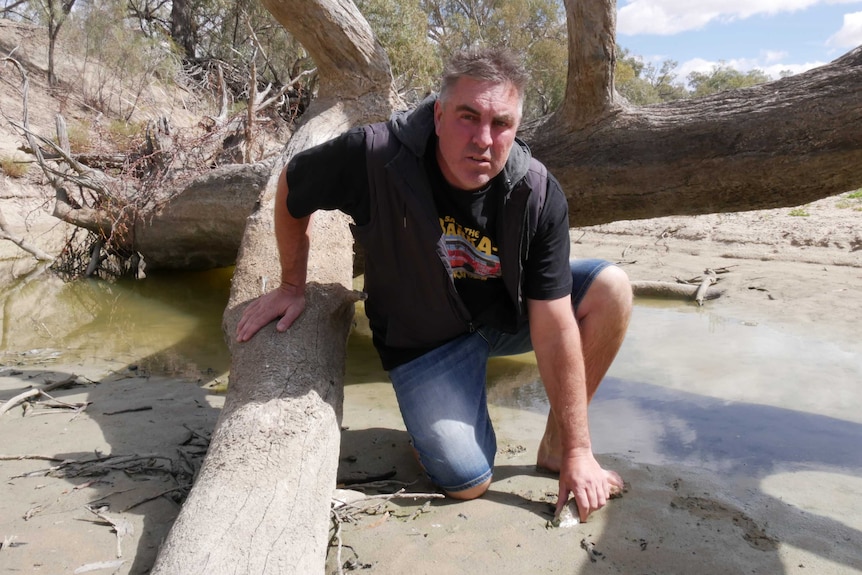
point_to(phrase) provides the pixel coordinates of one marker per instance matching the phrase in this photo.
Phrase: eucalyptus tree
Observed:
(724, 77)
(643, 83)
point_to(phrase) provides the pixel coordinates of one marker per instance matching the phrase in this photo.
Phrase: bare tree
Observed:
(55, 13)
(183, 26)
(261, 502)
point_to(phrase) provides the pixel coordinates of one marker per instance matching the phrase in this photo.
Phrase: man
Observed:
(467, 257)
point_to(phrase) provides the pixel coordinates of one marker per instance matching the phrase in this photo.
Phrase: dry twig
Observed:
(120, 526)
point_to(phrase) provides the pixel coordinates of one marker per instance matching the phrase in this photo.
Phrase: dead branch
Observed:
(708, 280)
(22, 397)
(86, 177)
(18, 399)
(278, 95)
(669, 290)
(30, 456)
(180, 488)
(120, 526)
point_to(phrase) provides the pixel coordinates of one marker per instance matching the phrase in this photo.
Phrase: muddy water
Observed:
(169, 324)
(690, 385)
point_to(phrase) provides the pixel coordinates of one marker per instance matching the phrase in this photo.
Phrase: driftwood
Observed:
(42, 391)
(709, 279)
(670, 290)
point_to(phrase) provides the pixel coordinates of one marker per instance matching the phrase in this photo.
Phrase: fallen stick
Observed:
(669, 290)
(24, 396)
(26, 456)
(120, 526)
(156, 496)
(708, 280)
(18, 399)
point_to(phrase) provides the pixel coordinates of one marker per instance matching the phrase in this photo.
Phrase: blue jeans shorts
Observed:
(443, 401)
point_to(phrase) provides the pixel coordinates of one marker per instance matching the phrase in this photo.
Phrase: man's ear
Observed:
(438, 113)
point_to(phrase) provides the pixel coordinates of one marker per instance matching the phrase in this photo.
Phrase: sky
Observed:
(769, 35)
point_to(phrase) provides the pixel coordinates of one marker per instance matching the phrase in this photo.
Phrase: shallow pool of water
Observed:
(689, 385)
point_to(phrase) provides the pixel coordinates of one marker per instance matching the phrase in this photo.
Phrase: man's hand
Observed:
(286, 302)
(591, 486)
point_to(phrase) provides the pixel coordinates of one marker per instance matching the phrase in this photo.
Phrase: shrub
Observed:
(125, 135)
(13, 166)
(79, 137)
(799, 212)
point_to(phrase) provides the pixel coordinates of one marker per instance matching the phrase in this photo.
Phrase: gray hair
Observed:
(489, 64)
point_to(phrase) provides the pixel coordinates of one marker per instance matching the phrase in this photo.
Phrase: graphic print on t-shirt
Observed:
(471, 253)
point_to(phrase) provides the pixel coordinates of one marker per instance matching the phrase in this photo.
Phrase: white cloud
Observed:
(850, 34)
(773, 56)
(667, 17)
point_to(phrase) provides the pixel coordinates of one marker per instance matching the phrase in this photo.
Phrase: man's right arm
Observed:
(288, 300)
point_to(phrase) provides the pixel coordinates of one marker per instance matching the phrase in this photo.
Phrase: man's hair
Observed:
(489, 64)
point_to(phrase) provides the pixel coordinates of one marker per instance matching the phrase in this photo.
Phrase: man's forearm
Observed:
(557, 344)
(293, 240)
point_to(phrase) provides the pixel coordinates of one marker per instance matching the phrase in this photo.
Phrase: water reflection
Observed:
(718, 392)
(689, 385)
(169, 324)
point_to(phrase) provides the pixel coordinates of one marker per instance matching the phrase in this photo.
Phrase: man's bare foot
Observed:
(548, 459)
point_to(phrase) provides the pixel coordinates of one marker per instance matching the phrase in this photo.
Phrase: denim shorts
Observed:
(443, 401)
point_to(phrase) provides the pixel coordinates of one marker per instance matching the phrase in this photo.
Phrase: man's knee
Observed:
(611, 291)
(472, 492)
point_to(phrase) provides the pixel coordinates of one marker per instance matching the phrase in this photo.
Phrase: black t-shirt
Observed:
(333, 175)
(468, 222)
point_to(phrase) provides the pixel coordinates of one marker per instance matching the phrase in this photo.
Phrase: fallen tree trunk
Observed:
(201, 227)
(261, 502)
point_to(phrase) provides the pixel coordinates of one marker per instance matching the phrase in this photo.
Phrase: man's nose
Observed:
(482, 136)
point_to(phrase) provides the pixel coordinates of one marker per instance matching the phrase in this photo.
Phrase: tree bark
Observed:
(780, 144)
(261, 501)
(202, 226)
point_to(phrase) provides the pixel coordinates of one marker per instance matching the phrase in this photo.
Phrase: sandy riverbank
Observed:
(801, 273)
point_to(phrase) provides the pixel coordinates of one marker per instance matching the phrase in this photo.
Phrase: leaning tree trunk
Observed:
(261, 501)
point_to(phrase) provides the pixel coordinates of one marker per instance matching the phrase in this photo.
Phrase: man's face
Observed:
(476, 128)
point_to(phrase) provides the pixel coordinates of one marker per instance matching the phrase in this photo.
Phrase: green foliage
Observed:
(799, 212)
(535, 29)
(402, 28)
(642, 83)
(851, 200)
(723, 77)
(13, 166)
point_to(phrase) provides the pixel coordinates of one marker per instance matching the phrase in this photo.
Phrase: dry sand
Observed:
(802, 272)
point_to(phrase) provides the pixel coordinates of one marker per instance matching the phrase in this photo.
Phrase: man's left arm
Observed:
(557, 344)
